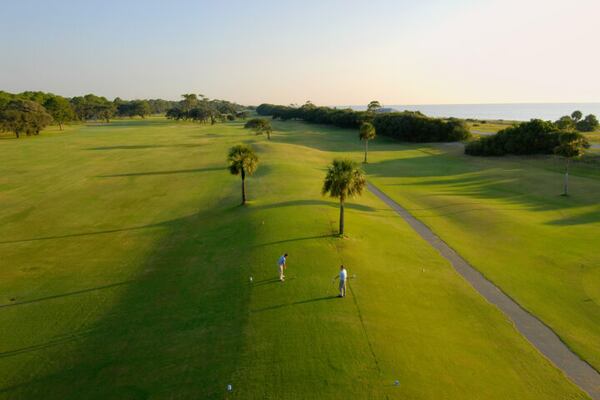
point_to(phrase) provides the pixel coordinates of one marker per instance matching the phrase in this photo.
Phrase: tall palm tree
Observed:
(344, 179)
(366, 133)
(242, 161)
(572, 145)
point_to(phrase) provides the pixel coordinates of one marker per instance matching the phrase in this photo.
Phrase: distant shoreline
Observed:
(496, 111)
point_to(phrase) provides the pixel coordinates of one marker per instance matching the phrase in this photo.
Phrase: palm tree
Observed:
(572, 145)
(242, 161)
(344, 179)
(367, 132)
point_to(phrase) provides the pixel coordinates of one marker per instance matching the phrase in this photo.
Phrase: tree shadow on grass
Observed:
(168, 172)
(303, 203)
(511, 181)
(420, 165)
(91, 233)
(61, 295)
(64, 339)
(325, 236)
(175, 329)
(144, 146)
(580, 219)
(130, 123)
(329, 138)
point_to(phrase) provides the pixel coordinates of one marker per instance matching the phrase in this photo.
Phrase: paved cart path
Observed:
(540, 335)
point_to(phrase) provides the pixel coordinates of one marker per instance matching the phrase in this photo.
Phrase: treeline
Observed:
(406, 126)
(533, 137)
(201, 109)
(576, 121)
(27, 113)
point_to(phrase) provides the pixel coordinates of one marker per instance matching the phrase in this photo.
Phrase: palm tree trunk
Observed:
(366, 150)
(566, 184)
(60, 126)
(341, 216)
(243, 187)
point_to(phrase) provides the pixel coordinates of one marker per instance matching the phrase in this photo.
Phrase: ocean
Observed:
(510, 112)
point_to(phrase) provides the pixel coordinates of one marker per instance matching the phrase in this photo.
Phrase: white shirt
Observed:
(343, 275)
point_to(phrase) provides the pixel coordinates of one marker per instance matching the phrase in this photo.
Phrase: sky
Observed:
(331, 52)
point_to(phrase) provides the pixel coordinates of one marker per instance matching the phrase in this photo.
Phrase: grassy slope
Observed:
(507, 218)
(129, 261)
(489, 126)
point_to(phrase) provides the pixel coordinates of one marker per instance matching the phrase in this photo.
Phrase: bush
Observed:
(533, 137)
(257, 123)
(588, 124)
(411, 127)
(24, 117)
(406, 126)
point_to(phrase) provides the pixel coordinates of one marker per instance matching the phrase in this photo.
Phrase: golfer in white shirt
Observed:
(343, 277)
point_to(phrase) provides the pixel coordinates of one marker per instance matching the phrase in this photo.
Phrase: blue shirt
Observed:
(281, 260)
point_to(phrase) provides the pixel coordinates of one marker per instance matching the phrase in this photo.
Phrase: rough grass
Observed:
(126, 263)
(489, 127)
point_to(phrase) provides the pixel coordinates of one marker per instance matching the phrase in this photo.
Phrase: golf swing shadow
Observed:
(264, 282)
(294, 304)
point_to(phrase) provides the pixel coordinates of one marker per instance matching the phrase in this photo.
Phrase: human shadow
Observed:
(265, 282)
(168, 172)
(278, 306)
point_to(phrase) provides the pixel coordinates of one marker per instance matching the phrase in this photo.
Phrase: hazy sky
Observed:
(331, 52)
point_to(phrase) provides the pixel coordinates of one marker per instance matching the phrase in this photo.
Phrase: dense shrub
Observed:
(574, 121)
(256, 123)
(533, 137)
(24, 117)
(406, 126)
(588, 124)
(414, 127)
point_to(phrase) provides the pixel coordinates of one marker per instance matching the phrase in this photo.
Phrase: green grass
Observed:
(128, 257)
(494, 126)
(593, 137)
(506, 216)
(489, 126)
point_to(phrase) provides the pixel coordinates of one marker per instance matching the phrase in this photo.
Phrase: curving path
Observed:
(540, 335)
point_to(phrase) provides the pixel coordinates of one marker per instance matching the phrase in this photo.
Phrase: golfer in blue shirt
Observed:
(282, 266)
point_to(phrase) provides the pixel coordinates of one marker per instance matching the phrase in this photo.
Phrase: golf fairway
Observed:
(125, 274)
